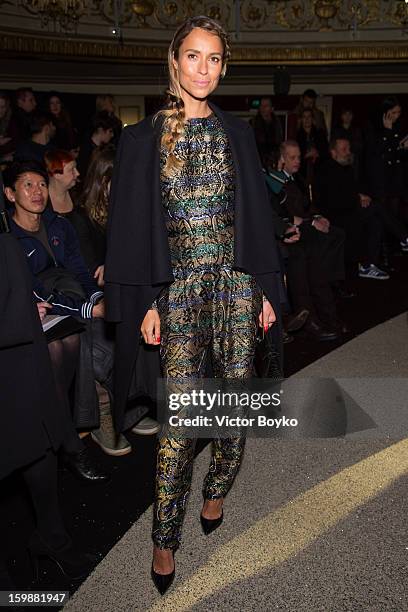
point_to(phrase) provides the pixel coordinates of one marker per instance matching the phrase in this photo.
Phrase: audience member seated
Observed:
(90, 223)
(89, 216)
(64, 132)
(90, 230)
(285, 233)
(8, 129)
(346, 129)
(337, 195)
(26, 105)
(100, 133)
(310, 263)
(312, 142)
(106, 102)
(267, 128)
(340, 198)
(384, 153)
(91, 227)
(31, 424)
(49, 244)
(63, 175)
(307, 102)
(42, 130)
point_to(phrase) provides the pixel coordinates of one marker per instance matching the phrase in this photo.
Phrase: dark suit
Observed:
(330, 245)
(307, 276)
(337, 192)
(138, 264)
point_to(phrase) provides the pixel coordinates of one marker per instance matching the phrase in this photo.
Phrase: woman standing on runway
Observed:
(190, 249)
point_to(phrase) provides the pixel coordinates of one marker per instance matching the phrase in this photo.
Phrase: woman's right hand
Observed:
(151, 327)
(387, 120)
(42, 309)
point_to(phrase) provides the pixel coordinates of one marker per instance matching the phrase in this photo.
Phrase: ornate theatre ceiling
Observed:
(262, 31)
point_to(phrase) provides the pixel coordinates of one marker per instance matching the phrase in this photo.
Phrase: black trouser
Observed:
(364, 232)
(365, 229)
(392, 223)
(41, 480)
(308, 282)
(328, 247)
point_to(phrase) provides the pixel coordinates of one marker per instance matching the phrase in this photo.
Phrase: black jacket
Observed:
(64, 245)
(28, 419)
(336, 190)
(138, 264)
(383, 161)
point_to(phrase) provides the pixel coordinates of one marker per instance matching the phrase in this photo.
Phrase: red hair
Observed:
(56, 160)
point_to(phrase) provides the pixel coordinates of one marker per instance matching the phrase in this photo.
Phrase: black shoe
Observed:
(210, 525)
(296, 321)
(80, 464)
(317, 332)
(163, 582)
(72, 563)
(344, 293)
(287, 338)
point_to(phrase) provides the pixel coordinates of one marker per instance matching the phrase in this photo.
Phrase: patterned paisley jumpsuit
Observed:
(208, 308)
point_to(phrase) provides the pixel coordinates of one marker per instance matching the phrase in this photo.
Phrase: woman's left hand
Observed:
(99, 272)
(267, 317)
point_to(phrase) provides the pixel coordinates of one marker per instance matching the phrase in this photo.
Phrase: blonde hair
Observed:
(174, 113)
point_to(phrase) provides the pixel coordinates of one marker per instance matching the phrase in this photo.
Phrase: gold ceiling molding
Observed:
(236, 15)
(45, 47)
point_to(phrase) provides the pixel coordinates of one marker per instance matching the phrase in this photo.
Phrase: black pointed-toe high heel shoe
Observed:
(210, 525)
(163, 582)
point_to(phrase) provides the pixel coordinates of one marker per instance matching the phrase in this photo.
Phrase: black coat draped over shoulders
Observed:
(29, 423)
(138, 262)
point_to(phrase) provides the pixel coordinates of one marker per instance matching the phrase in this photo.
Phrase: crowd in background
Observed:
(339, 204)
(338, 201)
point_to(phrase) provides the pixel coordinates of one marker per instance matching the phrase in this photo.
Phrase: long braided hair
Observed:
(173, 112)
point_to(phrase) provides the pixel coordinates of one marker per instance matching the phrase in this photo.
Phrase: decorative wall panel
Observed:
(265, 31)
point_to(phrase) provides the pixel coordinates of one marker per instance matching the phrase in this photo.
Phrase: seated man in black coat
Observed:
(348, 206)
(302, 209)
(307, 277)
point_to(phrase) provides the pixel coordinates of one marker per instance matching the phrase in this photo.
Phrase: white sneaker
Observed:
(371, 271)
(404, 244)
(146, 427)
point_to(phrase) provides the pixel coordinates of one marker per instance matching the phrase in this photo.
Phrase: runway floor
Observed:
(315, 524)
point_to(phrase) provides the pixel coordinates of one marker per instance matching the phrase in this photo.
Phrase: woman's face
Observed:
(55, 105)
(70, 175)
(307, 120)
(394, 113)
(199, 64)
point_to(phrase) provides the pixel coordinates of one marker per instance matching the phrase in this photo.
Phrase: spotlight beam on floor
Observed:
(285, 532)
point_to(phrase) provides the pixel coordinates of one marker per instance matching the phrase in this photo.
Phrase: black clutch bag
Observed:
(267, 357)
